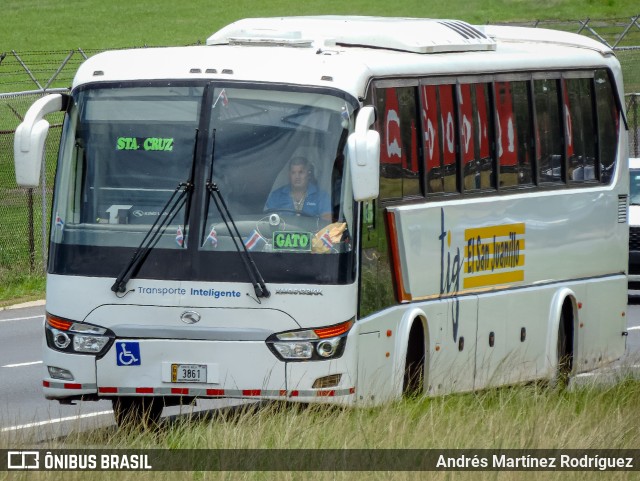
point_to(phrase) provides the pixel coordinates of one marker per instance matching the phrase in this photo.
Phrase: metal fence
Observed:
(633, 117)
(24, 213)
(617, 33)
(25, 76)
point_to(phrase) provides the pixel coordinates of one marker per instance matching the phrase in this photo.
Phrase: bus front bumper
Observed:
(232, 369)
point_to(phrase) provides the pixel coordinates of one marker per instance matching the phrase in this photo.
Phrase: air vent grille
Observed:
(622, 209)
(464, 29)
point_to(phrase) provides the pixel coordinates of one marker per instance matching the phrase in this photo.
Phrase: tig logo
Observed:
(23, 460)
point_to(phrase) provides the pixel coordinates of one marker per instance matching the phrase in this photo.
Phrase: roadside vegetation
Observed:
(53, 25)
(525, 417)
(17, 288)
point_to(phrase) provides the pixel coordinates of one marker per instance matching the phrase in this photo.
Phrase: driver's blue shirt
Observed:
(316, 203)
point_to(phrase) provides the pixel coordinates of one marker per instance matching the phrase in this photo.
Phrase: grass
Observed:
(630, 60)
(21, 259)
(525, 417)
(97, 24)
(16, 288)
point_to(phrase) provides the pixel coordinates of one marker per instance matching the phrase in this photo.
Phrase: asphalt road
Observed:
(26, 416)
(23, 409)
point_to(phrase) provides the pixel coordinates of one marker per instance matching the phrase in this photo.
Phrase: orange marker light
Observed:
(58, 323)
(389, 333)
(333, 331)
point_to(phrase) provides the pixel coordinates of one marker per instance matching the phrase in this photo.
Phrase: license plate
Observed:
(188, 373)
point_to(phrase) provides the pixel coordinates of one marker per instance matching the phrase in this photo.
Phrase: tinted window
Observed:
(514, 133)
(581, 132)
(608, 124)
(440, 137)
(549, 131)
(399, 165)
(475, 131)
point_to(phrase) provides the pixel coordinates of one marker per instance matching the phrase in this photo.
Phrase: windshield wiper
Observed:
(252, 269)
(180, 196)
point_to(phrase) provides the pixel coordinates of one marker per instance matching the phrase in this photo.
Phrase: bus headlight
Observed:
(76, 337)
(89, 344)
(294, 350)
(310, 344)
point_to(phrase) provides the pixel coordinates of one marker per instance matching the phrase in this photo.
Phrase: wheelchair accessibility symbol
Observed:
(128, 354)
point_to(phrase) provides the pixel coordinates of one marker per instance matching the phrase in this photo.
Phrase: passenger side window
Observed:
(608, 125)
(484, 135)
(549, 131)
(439, 137)
(400, 175)
(580, 129)
(515, 149)
(475, 132)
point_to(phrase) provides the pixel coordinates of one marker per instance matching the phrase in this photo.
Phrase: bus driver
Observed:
(302, 194)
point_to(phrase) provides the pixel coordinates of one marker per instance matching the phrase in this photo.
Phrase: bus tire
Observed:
(413, 383)
(137, 412)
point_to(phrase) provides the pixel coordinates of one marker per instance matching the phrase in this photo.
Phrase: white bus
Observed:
(334, 209)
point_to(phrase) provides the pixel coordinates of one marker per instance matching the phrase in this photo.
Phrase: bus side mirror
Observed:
(364, 156)
(28, 143)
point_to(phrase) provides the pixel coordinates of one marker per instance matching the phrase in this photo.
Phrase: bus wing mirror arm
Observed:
(30, 136)
(363, 147)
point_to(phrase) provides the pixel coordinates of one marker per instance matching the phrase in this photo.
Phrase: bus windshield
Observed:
(264, 168)
(276, 161)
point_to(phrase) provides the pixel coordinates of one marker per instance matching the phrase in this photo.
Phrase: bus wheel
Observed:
(137, 412)
(413, 384)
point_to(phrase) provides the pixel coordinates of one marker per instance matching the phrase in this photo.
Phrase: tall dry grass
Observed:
(524, 417)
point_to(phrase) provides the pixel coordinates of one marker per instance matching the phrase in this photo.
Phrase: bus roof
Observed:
(346, 52)
(415, 35)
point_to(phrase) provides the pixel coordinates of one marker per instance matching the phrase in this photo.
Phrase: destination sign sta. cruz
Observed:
(148, 143)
